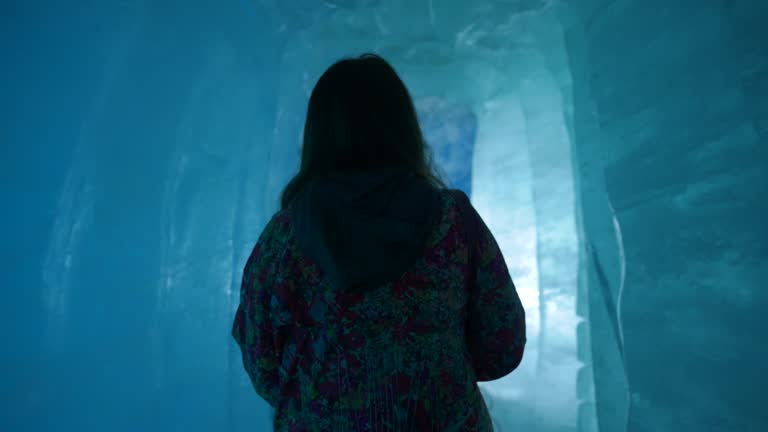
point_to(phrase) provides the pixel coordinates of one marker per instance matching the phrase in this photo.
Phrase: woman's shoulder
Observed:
(274, 233)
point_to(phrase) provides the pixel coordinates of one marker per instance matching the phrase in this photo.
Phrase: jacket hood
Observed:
(364, 229)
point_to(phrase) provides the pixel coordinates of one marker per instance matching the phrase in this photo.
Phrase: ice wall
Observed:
(134, 186)
(670, 125)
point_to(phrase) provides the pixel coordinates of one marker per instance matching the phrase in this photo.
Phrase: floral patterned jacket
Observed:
(406, 356)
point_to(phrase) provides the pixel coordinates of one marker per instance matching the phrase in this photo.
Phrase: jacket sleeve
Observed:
(496, 318)
(252, 328)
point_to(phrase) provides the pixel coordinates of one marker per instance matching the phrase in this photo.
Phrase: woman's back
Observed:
(403, 354)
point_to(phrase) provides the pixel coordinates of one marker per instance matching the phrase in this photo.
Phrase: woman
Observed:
(376, 298)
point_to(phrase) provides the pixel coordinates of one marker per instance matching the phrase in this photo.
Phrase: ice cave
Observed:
(618, 150)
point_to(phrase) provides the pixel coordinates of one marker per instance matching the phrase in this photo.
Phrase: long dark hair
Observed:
(360, 116)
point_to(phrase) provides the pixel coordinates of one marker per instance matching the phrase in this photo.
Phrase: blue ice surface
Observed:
(616, 149)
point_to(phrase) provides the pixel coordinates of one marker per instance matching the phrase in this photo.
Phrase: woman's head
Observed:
(360, 116)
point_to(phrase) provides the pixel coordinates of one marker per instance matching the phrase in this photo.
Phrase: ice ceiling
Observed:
(616, 149)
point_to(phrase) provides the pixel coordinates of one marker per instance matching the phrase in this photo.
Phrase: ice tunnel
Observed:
(617, 149)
